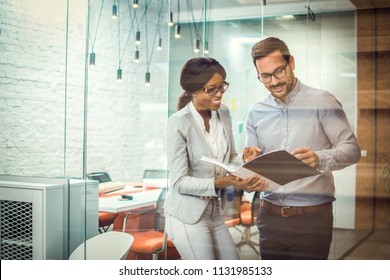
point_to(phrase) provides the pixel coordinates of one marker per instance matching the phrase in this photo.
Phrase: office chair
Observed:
(147, 225)
(155, 178)
(106, 219)
(102, 177)
(232, 222)
(153, 241)
(248, 217)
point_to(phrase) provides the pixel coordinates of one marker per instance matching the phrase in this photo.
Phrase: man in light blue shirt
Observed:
(296, 221)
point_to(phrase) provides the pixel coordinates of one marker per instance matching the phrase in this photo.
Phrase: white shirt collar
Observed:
(198, 118)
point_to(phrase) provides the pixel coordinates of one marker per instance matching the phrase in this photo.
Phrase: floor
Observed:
(347, 244)
(374, 247)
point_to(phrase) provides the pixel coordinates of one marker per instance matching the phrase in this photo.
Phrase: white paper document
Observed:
(278, 167)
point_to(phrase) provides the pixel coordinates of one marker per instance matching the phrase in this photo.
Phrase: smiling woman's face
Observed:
(202, 101)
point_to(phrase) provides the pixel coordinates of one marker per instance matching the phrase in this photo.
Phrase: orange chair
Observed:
(155, 241)
(106, 219)
(232, 222)
(248, 217)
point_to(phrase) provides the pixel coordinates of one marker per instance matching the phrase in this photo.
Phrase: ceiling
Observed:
(234, 9)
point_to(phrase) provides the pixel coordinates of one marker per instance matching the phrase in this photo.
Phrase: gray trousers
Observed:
(208, 239)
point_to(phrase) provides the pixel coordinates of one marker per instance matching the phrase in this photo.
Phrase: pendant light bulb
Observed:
(119, 75)
(177, 31)
(170, 22)
(136, 56)
(147, 79)
(206, 47)
(138, 37)
(159, 46)
(114, 11)
(135, 4)
(197, 46)
(92, 57)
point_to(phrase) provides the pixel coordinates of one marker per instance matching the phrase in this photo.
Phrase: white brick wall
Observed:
(125, 121)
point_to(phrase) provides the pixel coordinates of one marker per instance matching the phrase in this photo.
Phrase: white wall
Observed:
(43, 84)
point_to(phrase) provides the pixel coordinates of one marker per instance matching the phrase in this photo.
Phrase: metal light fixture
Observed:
(197, 46)
(170, 22)
(92, 57)
(177, 31)
(159, 46)
(177, 27)
(136, 56)
(135, 4)
(206, 47)
(119, 75)
(147, 79)
(138, 37)
(114, 11)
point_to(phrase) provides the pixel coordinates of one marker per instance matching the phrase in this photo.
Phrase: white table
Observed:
(114, 204)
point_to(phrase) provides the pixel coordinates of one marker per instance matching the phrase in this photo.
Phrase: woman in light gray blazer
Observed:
(201, 127)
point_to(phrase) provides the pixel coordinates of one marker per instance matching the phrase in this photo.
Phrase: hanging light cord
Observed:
(146, 45)
(119, 40)
(207, 28)
(310, 12)
(132, 18)
(160, 8)
(191, 10)
(97, 27)
(178, 12)
(139, 22)
(144, 14)
(149, 58)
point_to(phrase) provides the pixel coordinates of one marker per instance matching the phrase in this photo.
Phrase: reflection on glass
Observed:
(316, 54)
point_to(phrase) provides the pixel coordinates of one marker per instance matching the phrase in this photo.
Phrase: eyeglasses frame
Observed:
(273, 73)
(218, 89)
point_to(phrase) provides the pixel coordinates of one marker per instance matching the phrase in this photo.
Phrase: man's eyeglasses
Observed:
(279, 73)
(213, 91)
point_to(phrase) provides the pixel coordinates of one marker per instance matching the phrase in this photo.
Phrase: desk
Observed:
(140, 199)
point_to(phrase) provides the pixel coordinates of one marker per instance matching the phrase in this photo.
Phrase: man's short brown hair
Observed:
(268, 46)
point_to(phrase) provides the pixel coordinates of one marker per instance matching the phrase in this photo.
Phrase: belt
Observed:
(206, 197)
(291, 211)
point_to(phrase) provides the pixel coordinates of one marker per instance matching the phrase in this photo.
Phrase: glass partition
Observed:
(64, 111)
(126, 78)
(79, 95)
(126, 115)
(325, 51)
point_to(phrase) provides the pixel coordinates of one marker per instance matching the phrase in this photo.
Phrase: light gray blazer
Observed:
(190, 177)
